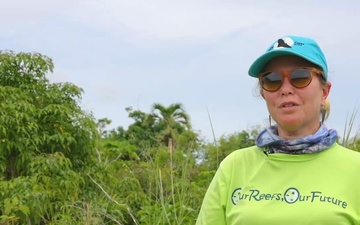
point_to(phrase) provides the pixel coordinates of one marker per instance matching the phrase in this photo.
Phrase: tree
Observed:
(171, 121)
(46, 139)
(212, 155)
(101, 125)
(141, 132)
(60, 166)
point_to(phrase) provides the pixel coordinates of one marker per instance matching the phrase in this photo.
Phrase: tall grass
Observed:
(350, 136)
(174, 198)
(214, 137)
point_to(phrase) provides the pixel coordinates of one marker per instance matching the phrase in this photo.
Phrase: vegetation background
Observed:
(59, 165)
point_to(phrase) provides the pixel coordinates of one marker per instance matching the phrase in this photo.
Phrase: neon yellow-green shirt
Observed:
(251, 188)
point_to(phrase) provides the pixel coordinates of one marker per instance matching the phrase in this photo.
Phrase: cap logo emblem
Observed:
(284, 43)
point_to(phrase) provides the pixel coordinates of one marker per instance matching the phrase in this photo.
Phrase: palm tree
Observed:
(141, 132)
(170, 121)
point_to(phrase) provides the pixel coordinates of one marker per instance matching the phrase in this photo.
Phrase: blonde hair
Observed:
(325, 110)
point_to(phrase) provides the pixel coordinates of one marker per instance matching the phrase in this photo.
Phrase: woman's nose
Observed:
(286, 87)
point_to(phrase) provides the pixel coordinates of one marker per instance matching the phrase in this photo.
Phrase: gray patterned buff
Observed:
(321, 140)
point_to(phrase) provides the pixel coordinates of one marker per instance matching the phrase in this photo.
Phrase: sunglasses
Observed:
(300, 78)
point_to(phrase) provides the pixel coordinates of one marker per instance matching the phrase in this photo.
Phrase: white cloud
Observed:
(127, 52)
(211, 19)
(168, 19)
(139, 21)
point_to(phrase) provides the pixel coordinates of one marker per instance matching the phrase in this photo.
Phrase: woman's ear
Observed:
(326, 91)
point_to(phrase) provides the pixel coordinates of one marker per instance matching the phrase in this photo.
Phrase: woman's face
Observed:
(295, 110)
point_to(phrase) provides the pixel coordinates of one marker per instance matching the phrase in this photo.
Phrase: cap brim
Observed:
(261, 62)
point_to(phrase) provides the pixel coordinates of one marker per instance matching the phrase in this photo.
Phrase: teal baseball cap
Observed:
(303, 47)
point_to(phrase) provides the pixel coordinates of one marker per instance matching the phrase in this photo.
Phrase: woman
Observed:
(296, 173)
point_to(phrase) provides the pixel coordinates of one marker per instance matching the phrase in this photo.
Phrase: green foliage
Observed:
(60, 166)
(119, 150)
(164, 126)
(170, 122)
(40, 117)
(213, 154)
(51, 183)
(168, 188)
(141, 133)
(46, 140)
(355, 144)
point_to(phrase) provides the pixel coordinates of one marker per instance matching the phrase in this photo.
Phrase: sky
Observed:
(134, 53)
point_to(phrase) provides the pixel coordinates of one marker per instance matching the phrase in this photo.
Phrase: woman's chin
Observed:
(290, 124)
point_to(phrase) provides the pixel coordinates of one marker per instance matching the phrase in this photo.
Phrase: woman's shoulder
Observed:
(246, 152)
(244, 155)
(345, 153)
(344, 150)
(254, 155)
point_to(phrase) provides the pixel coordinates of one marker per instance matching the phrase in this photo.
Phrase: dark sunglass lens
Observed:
(271, 81)
(301, 77)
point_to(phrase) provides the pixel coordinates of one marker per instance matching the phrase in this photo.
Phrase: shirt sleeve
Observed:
(213, 208)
